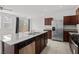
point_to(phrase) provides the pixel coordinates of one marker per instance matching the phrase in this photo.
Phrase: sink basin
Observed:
(33, 33)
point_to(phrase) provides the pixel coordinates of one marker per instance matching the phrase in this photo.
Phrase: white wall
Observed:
(38, 22)
(7, 25)
(0, 37)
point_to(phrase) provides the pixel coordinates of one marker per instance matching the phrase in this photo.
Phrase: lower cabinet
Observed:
(35, 47)
(46, 39)
(49, 34)
(29, 49)
(66, 36)
(41, 42)
(38, 45)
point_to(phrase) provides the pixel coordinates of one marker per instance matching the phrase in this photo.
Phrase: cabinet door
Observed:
(73, 20)
(42, 42)
(66, 20)
(49, 34)
(45, 38)
(37, 45)
(48, 21)
(29, 49)
(66, 36)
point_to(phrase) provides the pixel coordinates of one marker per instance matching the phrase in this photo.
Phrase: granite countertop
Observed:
(12, 39)
(70, 29)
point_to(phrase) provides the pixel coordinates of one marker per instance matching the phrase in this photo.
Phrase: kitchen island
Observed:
(24, 43)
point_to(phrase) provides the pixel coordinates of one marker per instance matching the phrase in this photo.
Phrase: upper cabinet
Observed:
(71, 20)
(66, 20)
(48, 21)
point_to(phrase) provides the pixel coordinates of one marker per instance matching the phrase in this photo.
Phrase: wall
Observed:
(0, 37)
(7, 25)
(38, 22)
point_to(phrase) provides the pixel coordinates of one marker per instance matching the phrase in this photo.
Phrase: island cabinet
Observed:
(29, 49)
(40, 43)
(34, 45)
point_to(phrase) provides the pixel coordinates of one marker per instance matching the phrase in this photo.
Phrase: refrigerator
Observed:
(57, 34)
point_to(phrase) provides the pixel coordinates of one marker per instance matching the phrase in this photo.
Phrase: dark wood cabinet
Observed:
(71, 20)
(49, 34)
(66, 20)
(48, 21)
(46, 39)
(40, 43)
(66, 36)
(37, 45)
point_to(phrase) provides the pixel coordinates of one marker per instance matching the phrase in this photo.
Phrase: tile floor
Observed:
(55, 47)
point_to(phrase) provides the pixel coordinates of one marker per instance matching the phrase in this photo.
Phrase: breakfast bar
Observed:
(24, 43)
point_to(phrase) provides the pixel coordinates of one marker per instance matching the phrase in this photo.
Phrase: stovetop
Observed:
(75, 38)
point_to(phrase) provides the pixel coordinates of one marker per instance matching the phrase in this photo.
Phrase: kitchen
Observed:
(29, 22)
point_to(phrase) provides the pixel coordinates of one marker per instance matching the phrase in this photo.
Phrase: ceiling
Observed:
(39, 9)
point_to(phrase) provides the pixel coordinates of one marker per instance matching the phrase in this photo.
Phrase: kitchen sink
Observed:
(33, 33)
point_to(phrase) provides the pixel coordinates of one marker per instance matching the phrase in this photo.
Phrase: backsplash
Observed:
(77, 27)
(70, 27)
